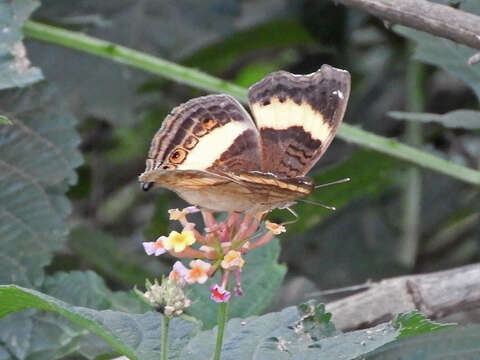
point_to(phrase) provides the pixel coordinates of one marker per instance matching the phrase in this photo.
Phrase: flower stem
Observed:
(165, 327)
(222, 320)
(198, 79)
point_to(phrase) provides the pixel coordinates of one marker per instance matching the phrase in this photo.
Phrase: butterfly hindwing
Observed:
(297, 117)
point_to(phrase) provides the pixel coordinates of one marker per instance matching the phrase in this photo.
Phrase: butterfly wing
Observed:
(298, 116)
(209, 132)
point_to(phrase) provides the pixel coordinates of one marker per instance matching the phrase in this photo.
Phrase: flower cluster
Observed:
(221, 246)
(169, 295)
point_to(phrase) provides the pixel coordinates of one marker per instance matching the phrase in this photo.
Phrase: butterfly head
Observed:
(147, 185)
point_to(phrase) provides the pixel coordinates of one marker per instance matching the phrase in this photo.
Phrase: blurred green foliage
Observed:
(115, 111)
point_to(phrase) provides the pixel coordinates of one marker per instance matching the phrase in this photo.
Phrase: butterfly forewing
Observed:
(208, 132)
(298, 116)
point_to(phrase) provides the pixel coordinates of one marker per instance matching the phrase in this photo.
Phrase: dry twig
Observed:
(436, 295)
(436, 19)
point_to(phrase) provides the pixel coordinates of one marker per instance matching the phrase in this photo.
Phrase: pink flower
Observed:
(155, 247)
(178, 273)
(219, 294)
(198, 272)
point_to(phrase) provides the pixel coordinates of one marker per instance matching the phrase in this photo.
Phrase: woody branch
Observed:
(436, 19)
(435, 294)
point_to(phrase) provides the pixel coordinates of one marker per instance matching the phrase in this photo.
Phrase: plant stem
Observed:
(198, 79)
(222, 320)
(413, 180)
(170, 70)
(165, 328)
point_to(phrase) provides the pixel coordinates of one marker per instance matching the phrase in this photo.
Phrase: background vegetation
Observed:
(72, 216)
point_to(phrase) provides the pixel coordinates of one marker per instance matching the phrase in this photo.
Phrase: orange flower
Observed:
(198, 272)
(233, 259)
(276, 229)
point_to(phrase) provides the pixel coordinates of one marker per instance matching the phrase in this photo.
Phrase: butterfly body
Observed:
(242, 192)
(213, 155)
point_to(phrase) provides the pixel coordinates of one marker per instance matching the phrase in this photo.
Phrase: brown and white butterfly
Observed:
(213, 155)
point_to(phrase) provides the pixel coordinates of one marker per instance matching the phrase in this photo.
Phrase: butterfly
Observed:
(213, 155)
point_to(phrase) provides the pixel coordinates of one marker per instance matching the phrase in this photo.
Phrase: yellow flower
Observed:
(276, 229)
(232, 259)
(179, 241)
(198, 272)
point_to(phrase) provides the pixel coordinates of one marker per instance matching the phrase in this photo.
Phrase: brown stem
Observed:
(436, 19)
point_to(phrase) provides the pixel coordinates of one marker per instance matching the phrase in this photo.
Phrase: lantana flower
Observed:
(169, 294)
(198, 272)
(155, 247)
(179, 241)
(178, 215)
(221, 248)
(178, 273)
(219, 294)
(276, 229)
(233, 259)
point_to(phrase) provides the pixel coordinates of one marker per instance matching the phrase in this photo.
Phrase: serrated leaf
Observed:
(15, 67)
(283, 335)
(38, 155)
(414, 323)
(136, 336)
(262, 277)
(462, 119)
(458, 343)
(446, 54)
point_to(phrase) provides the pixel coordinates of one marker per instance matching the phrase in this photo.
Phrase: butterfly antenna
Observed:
(318, 204)
(341, 181)
(294, 214)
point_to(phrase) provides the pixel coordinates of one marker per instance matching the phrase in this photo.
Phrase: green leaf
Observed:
(38, 155)
(414, 323)
(262, 277)
(87, 289)
(288, 335)
(136, 336)
(458, 343)
(15, 68)
(84, 289)
(5, 120)
(446, 54)
(462, 119)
